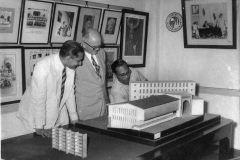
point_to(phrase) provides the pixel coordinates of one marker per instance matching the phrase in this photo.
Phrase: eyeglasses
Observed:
(94, 48)
(125, 74)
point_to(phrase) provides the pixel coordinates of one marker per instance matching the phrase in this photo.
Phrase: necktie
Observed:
(64, 77)
(96, 66)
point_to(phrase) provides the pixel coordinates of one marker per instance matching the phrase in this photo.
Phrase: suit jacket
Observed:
(91, 94)
(40, 105)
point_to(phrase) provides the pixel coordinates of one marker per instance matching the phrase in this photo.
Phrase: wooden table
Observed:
(104, 147)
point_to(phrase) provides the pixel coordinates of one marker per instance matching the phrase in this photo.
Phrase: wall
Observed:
(216, 71)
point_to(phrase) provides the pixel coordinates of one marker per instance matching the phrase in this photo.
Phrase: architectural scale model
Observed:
(141, 113)
(152, 103)
(70, 142)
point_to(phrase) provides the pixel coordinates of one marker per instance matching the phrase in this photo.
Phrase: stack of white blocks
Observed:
(70, 142)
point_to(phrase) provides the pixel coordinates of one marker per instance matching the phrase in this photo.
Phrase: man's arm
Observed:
(71, 106)
(118, 96)
(39, 94)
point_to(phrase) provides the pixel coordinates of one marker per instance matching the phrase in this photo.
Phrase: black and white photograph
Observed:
(210, 24)
(120, 79)
(11, 84)
(36, 22)
(64, 23)
(89, 17)
(111, 26)
(10, 14)
(134, 31)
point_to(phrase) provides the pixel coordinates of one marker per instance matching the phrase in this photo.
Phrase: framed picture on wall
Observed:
(10, 13)
(64, 23)
(110, 26)
(209, 23)
(134, 30)
(31, 56)
(36, 22)
(89, 18)
(112, 54)
(11, 77)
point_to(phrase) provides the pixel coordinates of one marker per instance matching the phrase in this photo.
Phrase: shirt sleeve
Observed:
(118, 97)
(71, 106)
(39, 94)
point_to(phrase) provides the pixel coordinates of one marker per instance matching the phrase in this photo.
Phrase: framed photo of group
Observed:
(31, 56)
(112, 54)
(209, 23)
(64, 23)
(36, 22)
(11, 77)
(110, 26)
(10, 15)
(89, 18)
(134, 31)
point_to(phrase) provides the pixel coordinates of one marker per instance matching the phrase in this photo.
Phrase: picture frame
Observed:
(10, 15)
(64, 23)
(112, 54)
(89, 18)
(31, 56)
(11, 77)
(209, 24)
(110, 26)
(134, 31)
(37, 17)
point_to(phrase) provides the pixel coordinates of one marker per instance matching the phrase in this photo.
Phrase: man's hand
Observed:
(44, 132)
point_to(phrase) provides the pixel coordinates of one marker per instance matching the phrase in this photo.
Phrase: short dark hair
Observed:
(71, 48)
(118, 63)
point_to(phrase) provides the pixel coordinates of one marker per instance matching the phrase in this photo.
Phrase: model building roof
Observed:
(152, 101)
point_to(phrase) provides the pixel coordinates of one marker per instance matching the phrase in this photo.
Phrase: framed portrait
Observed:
(89, 18)
(64, 23)
(112, 54)
(36, 22)
(31, 56)
(209, 23)
(134, 31)
(11, 84)
(10, 13)
(110, 26)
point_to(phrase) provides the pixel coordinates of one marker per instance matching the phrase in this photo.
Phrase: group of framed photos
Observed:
(31, 22)
(46, 22)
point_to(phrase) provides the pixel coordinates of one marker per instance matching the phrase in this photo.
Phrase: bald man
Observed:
(91, 94)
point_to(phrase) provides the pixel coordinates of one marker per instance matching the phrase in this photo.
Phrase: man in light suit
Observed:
(49, 100)
(91, 94)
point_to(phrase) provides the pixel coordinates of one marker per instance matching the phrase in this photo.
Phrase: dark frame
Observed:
(11, 32)
(214, 26)
(66, 28)
(134, 31)
(110, 18)
(31, 56)
(17, 71)
(36, 22)
(109, 73)
(88, 14)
